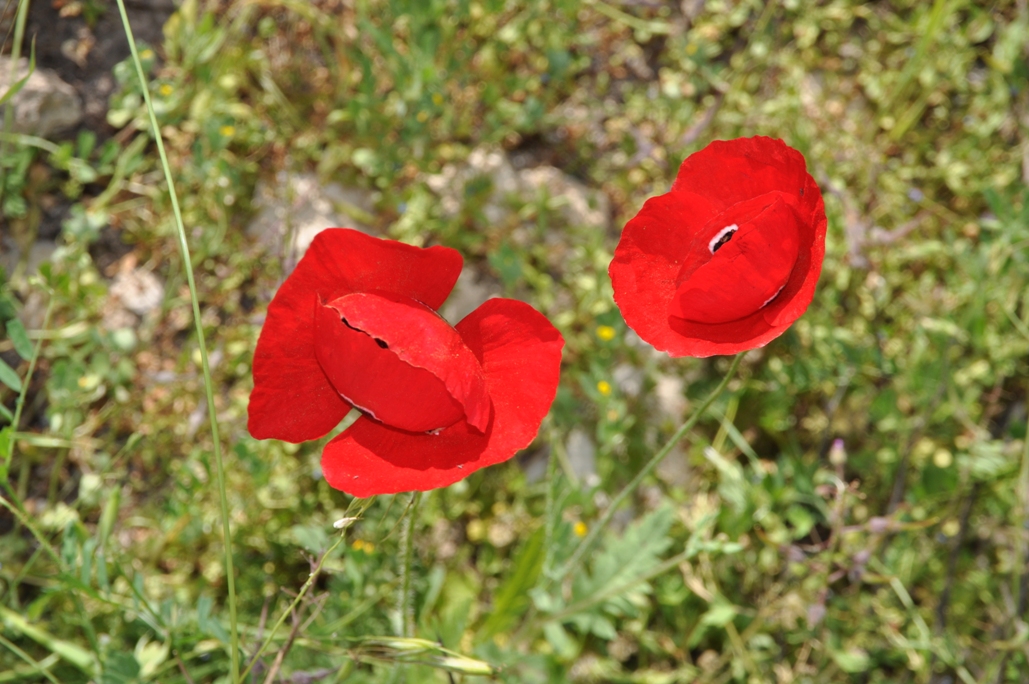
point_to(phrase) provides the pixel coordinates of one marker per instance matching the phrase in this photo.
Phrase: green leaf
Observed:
(719, 614)
(9, 377)
(20, 83)
(637, 552)
(852, 661)
(513, 596)
(564, 646)
(120, 668)
(19, 338)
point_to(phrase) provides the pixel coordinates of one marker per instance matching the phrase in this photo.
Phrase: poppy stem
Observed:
(405, 602)
(594, 533)
(230, 573)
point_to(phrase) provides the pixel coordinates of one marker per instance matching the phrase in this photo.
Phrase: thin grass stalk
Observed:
(208, 384)
(293, 606)
(37, 668)
(16, 421)
(19, 40)
(594, 533)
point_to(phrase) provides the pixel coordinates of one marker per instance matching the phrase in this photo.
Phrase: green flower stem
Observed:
(405, 600)
(208, 384)
(591, 538)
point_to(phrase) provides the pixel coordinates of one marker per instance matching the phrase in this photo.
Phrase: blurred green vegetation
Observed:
(854, 509)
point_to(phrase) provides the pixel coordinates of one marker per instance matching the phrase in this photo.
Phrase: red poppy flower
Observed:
(355, 326)
(729, 258)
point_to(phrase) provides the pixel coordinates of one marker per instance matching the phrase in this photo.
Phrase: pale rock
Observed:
(138, 290)
(45, 105)
(471, 290)
(40, 252)
(674, 470)
(628, 379)
(297, 207)
(534, 464)
(671, 403)
(575, 203)
(582, 454)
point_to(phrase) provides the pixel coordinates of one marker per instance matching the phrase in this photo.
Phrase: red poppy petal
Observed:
(368, 376)
(746, 272)
(292, 399)
(424, 339)
(731, 171)
(520, 353)
(726, 176)
(648, 259)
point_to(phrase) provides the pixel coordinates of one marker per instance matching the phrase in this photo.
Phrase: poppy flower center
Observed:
(399, 362)
(739, 262)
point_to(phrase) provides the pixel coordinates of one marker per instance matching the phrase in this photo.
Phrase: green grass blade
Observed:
(76, 655)
(208, 384)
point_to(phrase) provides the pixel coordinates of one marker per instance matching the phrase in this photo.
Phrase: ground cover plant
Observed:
(850, 507)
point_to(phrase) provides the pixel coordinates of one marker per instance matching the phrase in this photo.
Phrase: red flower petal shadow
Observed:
(520, 353)
(292, 399)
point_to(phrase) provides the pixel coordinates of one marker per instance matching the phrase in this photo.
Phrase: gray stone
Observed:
(471, 290)
(40, 252)
(534, 465)
(45, 105)
(576, 204)
(582, 454)
(138, 290)
(573, 202)
(291, 211)
(628, 379)
(674, 469)
(671, 403)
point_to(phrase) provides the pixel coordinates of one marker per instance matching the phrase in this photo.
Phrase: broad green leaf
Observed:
(20, 340)
(9, 377)
(120, 668)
